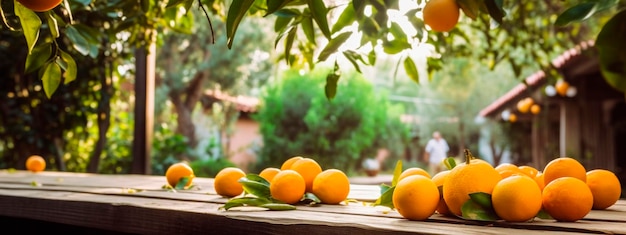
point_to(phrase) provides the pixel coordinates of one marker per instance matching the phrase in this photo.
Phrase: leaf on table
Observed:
(450, 163)
(474, 211)
(397, 171)
(386, 198)
(245, 201)
(543, 215)
(255, 185)
(182, 183)
(310, 199)
(482, 199)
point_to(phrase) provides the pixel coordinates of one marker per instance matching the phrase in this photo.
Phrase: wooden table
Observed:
(107, 204)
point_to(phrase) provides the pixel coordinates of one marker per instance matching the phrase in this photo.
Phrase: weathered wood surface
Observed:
(108, 202)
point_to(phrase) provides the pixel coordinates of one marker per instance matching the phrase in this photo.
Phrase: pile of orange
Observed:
(563, 189)
(297, 176)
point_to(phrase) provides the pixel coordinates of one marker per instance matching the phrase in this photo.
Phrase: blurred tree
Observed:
(189, 65)
(296, 119)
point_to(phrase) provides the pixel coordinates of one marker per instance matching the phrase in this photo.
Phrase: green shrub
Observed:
(210, 167)
(297, 119)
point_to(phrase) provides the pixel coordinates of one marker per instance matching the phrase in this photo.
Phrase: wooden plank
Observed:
(101, 189)
(159, 216)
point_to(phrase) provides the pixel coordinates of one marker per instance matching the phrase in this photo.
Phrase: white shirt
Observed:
(437, 150)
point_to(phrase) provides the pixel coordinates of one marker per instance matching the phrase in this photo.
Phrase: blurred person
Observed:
(436, 151)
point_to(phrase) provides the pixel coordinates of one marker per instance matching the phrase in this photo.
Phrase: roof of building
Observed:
(534, 81)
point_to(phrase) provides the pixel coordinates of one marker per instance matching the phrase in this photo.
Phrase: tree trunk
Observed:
(104, 120)
(184, 108)
(497, 156)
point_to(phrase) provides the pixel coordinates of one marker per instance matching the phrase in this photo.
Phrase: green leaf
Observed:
(397, 32)
(236, 12)
(482, 199)
(330, 89)
(386, 199)
(310, 199)
(51, 78)
(278, 206)
(471, 8)
(411, 69)
(384, 188)
(578, 12)
(354, 58)
(291, 37)
(494, 7)
(473, 211)
(275, 5)
(172, 3)
(395, 46)
(256, 185)
(450, 163)
(319, 13)
(71, 70)
(182, 182)
(30, 24)
(38, 57)
(542, 214)
(610, 49)
(346, 18)
(392, 4)
(397, 171)
(307, 28)
(333, 45)
(52, 24)
(145, 5)
(245, 201)
(78, 41)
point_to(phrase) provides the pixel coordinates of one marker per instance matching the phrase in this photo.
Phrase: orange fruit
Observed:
(287, 164)
(35, 163)
(567, 199)
(529, 171)
(539, 180)
(516, 198)
(535, 109)
(564, 166)
(441, 15)
(507, 169)
(226, 182)
(287, 186)
(561, 87)
(40, 5)
(524, 105)
(177, 171)
(416, 197)
(438, 179)
(466, 178)
(269, 173)
(605, 187)
(512, 118)
(308, 169)
(413, 171)
(332, 186)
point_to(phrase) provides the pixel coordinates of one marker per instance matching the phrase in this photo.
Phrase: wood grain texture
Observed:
(103, 202)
